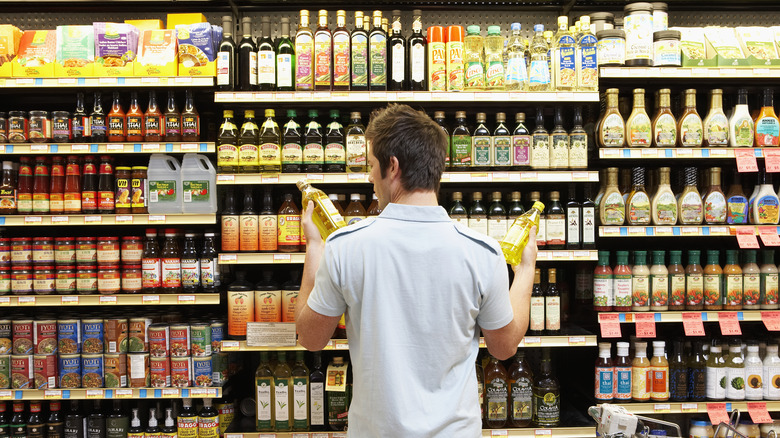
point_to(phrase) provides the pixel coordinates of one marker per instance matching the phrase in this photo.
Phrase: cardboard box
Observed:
(197, 52)
(146, 24)
(36, 55)
(10, 37)
(179, 19)
(157, 53)
(169, 69)
(75, 51)
(125, 70)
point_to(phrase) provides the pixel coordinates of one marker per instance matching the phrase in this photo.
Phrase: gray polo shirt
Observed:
(415, 288)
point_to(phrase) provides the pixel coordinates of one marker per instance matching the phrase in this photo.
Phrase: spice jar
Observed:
(21, 250)
(43, 251)
(86, 279)
(43, 280)
(638, 25)
(21, 280)
(5, 280)
(666, 48)
(611, 48)
(109, 279)
(107, 250)
(3, 127)
(65, 280)
(5, 251)
(122, 178)
(86, 250)
(138, 190)
(60, 122)
(17, 127)
(132, 249)
(39, 130)
(65, 250)
(132, 279)
(602, 21)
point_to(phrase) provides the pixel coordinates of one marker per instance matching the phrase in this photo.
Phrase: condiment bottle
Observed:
(24, 186)
(737, 204)
(97, 120)
(769, 280)
(638, 203)
(623, 283)
(134, 119)
(641, 388)
(716, 124)
(623, 373)
(559, 143)
(106, 193)
(638, 126)
(659, 283)
(716, 372)
(751, 281)
(248, 152)
(714, 201)
(314, 144)
(664, 125)
(227, 144)
(664, 204)
(690, 125)
(612, 209)
(521, 144)
(578, 142)
(678, 373)
(116, 121)
(172, 120)
(190, 119)
(355, 211)
(556, 223)
(735, 374)
(605, 371)
(640, 283)
(767, 123)
(765, 205)
(72, 185)
(477, 214)
(230, 224)
(741, 125)
(771, 373)
(151, 263)
(267, 224)
(676, 281)
(481, 144)
(659, 367)
(171, 263)
(733, 274)
(57, 186)
(520, 395)
(611, 128)
(460, 142)
(249, 229)
(89, 185)
(552, 305)
(752, 199)
(496, 393)
(713, 281)
(694, 282)
(40, 197)
(289, 220)
(536, 312)
(497, 219)
(153, 125)
(190, 265)
(624, 183)
(241, 306)
(603, 295)
(457, 211)
(540, 144)
(754, 370)
(8, 190)
(689, 206)
(697, 374)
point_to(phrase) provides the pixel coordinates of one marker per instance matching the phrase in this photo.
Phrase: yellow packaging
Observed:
(143, 25)
(176, 19)
(10, 36)
(35, 58)
(157, 53)
(75, 51)
(125, 70)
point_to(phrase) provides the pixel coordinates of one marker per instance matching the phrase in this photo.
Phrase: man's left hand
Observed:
(310, 230)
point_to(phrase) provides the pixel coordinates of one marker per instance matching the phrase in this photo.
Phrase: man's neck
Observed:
(417, 197)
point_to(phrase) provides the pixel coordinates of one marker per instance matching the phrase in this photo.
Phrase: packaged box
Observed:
(175, 20)
(116, 45)
(146, 24)
(758, 42)
(37, 50)
(197, 51)
(75, 51)
(157, 53)
(10, 37)
(725, 42)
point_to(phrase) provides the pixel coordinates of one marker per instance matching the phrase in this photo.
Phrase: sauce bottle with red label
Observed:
(106, 190)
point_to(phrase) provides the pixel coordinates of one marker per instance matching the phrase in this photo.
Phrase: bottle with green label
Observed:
(473, 47)
(313, 149)
(292, 148)
(264, 383)
(335, 153)
(559, 143)
(283, 396)
(461, 142)
(270, 144)
(300, 381)
(502, 143)
(481, 144)
(359, 55)
(117, 423)
(377, 55)
(337, 391)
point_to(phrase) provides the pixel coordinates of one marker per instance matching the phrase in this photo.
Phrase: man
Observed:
(416, 289)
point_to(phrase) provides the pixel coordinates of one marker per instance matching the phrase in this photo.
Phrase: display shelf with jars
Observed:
(105, 148)
(103, 393)
(108, 300)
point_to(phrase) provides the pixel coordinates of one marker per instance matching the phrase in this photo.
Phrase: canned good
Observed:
(69, 336)
(5, 280)
(65, 250)
(219, 368)
(6, 342)
(115, 370)
(22, 335)
(201, 340)
(217, 335)
(65, 280)
(21, 371)
(86, 250)
(5, 371)
(70, 370)
(92, 334)
(107, 250)
(160, 372)
(138, 369)
(180, 340)
(159, 340)
(109, 279)
(43, 251)
(115, 336)
(45, 371)
(201, 371)
(44, 279)
(138, 340)
(21, 280)
(181, 372)
(45, 336)
(92, 370)
(5, 251)
(21, 250)
(132, 250)
(86, 279)
(132, 279)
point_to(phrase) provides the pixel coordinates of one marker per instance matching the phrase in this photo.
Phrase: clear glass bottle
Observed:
(612, 209)
(664, 204)
(639, 129)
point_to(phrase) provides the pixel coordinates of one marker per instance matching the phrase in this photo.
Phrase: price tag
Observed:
(500, 433)
(93, 219)
(528, 176)
(39, 148)
(729, 324)
(561, 255)
(529, 341)
(186, 299)
(769, 236)
(689, 407)
(543, 432)
(79, 148)
(151, 299)
(5, 301)
(682, 152)
(107, 299)
(663, 231)
(341, 344)
(123, 219)
(95, 394)
(377, 95)
(25, 301)
(228, 258)
(580, 176)
(150, 147)
(52, 394)
(692, 324)
(609, 152)
(746, 160)
(649, 153)
(645, 325)
(226, 178)
(610, 325)
(188, 147)
(300, 435)
(269, 179)
(700, 72)
(576, 340)
(115, 147)
(183, 80)
(339, 435)
(69, 300)
(123, 393)
(315, 176)
(33, 219)
(282, 258)
(662, 407)
(170, 392)
(717, 413)
(690, 231)
(230, 345)
(5, 395)
(719, 231)
(718, 152)
(24, 81)
(66, 81)
(609, 231)
(584, 255)
(637, 231)
(60, 219)
(760, 71)
(356, 177)
(156, 218)
(107, 81)
(150, 80)
(319, 435)
(728, 72)
(758, 412)
(771, 320)
(746, 237)
(772, 160)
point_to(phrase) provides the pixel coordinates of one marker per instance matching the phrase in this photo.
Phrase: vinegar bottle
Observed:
(519, 233)
(248, 224)
(289, 221)
(241, 306)
(496, 394)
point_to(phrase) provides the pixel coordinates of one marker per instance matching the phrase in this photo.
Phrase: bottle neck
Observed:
(664, 100)
(690, 101)
(716, 101)
(639, 100)
(612, 101)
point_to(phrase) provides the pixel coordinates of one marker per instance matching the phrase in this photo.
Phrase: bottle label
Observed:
(88, 200)
(665, 131)
(282, 404)
(737, 210)
(496, 392)
(767, 132)
(284, 73)
(481, 146)
(522, 399)
(248, 232)
(437, 66)
(547, 409)
(733, 290)
(356, 150)
(715, 208)
(223, 68)
(300, 403)
(541, 233)
(639, 42)
(640, 384)
(559, 157)
(230, 233)
(263, 387)
(270, 154)
(665, 209)
(98, 125)
(173, 125)
(613, 131)
(623, 290)
(536, 322)
(659, 290)
(341, 60)
(578, 151)
(769, 287)
(735, 382)
(227, 155)
(190, 272)
(567, 75)
(304, 75)
(248, 155)
(539, 73)
(556, 229)
(573, 223)
(151, 273)
(359, 60)
(660, 382)
(767, 210)
(753, 381)
(691, 208)
(521, 145)
(322, 59)
(694, 289)
(614, 209)
(640, 290)
(712, 283)
(334, 153)
(152, 125)
(716, 131)
(516, 70)
(691, 131)
(771, 380)
(268, 232)
(106, 201)
(208, 427)
(540, 151)
(639, 130)
(479, 225)
(116, 125)
(455, 73)
(497, 228)
(602, 290)
(639, 209)
(604, 383)
(378, 57)
(207, 270)
(171, 273)
(495, 74)
(417, 62)
(196, 191)
(743, 132)
(162, 191)
(461, 150)
(589, 76)
(399, 71)
(552, 320)
(135, 125)
(289, 230)
(623, 382)
(266, 67)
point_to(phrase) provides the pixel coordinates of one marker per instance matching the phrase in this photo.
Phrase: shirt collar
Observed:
(416, 213)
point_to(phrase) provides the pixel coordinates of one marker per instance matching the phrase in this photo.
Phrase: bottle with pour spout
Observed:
(519, 233)
(325, 216)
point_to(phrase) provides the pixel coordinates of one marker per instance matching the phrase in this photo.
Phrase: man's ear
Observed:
(394, 166)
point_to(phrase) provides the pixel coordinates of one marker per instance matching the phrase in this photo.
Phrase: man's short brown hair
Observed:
(419, 144)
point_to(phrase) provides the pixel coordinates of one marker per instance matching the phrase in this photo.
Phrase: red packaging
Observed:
(180, 372)
(45, 337)
(45, 371)
(22, 335)
(180, 340)
(21, 371)
(160, 369)
(159, 340)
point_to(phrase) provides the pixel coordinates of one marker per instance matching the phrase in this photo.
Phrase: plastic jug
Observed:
(198, 177)
(164, 185)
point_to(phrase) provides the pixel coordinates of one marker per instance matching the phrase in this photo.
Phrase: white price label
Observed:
(5, 301)
(157, 218)
(542, 432)
(59, 219)
(282, 258)
(532, 340)
(186, 299)
(269, 179)
(107, 81)
(123, 219)
(25, 301)
(32, 219)
(227, 178)
(115, 147)
(684, 152)
(107, 299)
(39, 148)
(663, 407)
(93, 219)
(69, 300)
(66, 81)
(150, 147)
(53, 394)
(150, 80)
(188, 147)
(182, 80)
(315, 176)
(228, 258)
(151, 299)
(79, 148)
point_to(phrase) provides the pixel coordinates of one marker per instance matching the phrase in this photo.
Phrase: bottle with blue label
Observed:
(587, 59)
(765, 205)
(736, 203)
(564, 57)
(516, 69)
(605, 372)
(539, 71)
(622, 374)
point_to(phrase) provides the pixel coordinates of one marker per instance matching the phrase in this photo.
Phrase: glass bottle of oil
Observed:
(248, 153)
(458, 211)
(264, 383)
(282, 394)
(270, 144)
(478, 214)
(540, 144)
(664, 123)
(326, 217)
(517, 237)
(638, 126)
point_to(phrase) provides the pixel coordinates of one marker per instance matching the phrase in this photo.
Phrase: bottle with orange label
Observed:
(241, 306)
(248, 231)
(290, 296)
(40, 197)
(268, 299)
(659, 367)
(230, 224)
(267, 224)
(289, 222)
(57, 187)
(437, 59)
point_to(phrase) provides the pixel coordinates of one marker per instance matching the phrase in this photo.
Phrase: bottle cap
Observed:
(516, 27)
(435, 34)
(270, 113)
(354, 197)
(538, 27)
(454, 33)
(538, 206)
(494, 30)
(291, 113)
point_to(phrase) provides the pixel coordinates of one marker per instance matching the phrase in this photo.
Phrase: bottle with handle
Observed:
(325, 216)
(517, 237)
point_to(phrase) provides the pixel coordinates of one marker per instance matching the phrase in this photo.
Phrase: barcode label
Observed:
(153, 196)
(187, 196)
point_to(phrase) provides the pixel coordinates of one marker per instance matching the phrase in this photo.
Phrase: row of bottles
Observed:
(659, 287)
(177, 266)
(741, 127)
(545, 316)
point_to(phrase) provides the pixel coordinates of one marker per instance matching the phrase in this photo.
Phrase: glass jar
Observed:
(43, 251)
(44, 278)
(17, 127)
(3, 127)
(107, 250)
(39, 127)
(86, 250)
(21, 250)
(5, 251)
(86, 279)
(700, 429)
(122, 182)
(666, 48)
(770, 427)
(660, 16)
(132, 279)
(638, 25)
(749, 429)
(602, 21)
(60, 123)
(132, 249)
(611, 48)
(21, 280)
(5, 280)
(65, 250)
(109, 279)
(65, 282)
(138, 202)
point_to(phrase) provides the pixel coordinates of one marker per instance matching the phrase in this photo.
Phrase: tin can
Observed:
(44, 278)
(181, 374)
(138, 370)
(86, 279)
(201, 340)
(22, 336)
(21, 250)
(65, 279)
(5, 280)
(219, 368)
(5, 371)
(43, 251)
(107, 250)
(6, 341)
(217, 335)
(138, 340)
(132, 250)
(69, 336)
(22, 371)
(86, 250)
(92, 335)
(115, 370)
(45, 371)
(180, 340)
(160, 370)
(21, 280)
(92, 370)
(70, 371)
(45, 336)
(65, 250)
(159, 340)
(201, 371)
(115, 335)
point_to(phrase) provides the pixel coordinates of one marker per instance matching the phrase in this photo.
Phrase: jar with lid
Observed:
(5, 252)
(109, 279)
(122, 181)
(43, 280)
(660, 16)
(700, 429)
(39, 130)
(60, 124)
(17, 127)
(21, 280)
(770, 427)
(21, 250)
(611, 47)
(638, 25)
(748, 429)
(108, 250)
(86, 279)
(602, 21)
(132, 279)
(65, 280)
(666, 48)
(3, 127)
(138, 190)
(43, 251)
(64, 250)
(5, 280)
(132, 249)
(86, 250)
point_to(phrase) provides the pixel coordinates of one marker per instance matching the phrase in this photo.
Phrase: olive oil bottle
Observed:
(520, 232)
(547, 393)
(326, 217)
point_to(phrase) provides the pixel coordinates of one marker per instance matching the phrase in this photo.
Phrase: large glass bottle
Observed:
(552, 305)
(227, 144)
(283, 395)
(417, 48)
(664, 204)
(341, 53)
(716, 374)
(266, 57)
(611, 128)
(359, 55)
(664, 124)
(520, 391)
(248, 153)
(397, 56)
(496, 393)
(540, 144)
(461, 142)
(270, 142)
(247, 58)
(547, 402)
(521, 144)
(323, 53)
(172, 120)
(249, 228)
(477, 214)
(285, 59)
(335, 147)
(559, 143)
(357, 160)
(226, 56)
(304, 54)
(377, 55)
(537, 308)
(735, 373)
(457, 210)
(481, 144)
(151, 262)
(587, 61)
(289, 223)
(292, 147)
(638, 208)
(264, 386)
(638, 126)
(697, 374)
(317, 394)
(689, 125)
(573, 220)
(497, 222)
(716, 124)
(313, 149)
(556, 223)
(612, 209)
(578, 142)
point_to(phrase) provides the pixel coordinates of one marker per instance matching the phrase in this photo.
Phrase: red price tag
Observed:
(746, 160)
(645, 325)
(692, 324)
(771, 320)
(746, 237)
(772, 160)
(729, 324)
(717, 413)
(758, 412)
(610, 325)
(769, 236)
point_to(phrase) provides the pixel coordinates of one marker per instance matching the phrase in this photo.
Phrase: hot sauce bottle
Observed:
(57, 186)
(41, 186)
(72, 185)
(190, 120)
(172, 120)
(24, 186)
(153, 125)
(106, 190)
(116, 121)
(135, 119)
(89, 203)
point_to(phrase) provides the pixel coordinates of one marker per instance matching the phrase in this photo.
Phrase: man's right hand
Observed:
(528, 258)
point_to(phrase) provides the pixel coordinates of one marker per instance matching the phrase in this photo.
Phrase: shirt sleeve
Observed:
(495, 311)
(327, 298)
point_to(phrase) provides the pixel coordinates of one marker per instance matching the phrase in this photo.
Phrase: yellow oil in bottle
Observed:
(519, 233)
(326, 216)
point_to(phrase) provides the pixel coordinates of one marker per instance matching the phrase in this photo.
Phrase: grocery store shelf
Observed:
(688, 408)
(298, 257)
(139, 81)
(447, 177)
(674, 153)
(103, 148)
(567, 432)
(110, 219)
(101, 393)
(688, 73)
(677, 316)
(332, 97)
(107, 300)
(677, 230)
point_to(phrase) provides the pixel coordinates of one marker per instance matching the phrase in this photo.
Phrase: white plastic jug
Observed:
(164, 185)
(198, 177)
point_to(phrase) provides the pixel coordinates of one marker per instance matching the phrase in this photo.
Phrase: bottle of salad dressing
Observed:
(612, 209)
(664, 204)
(638, 125)
(689, 206)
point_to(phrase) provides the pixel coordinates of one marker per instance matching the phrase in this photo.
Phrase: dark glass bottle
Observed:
(292, 149)
(135, 119)
(18, 423)
(171, 264)
(417, 49)
(457, 210)
(313, 150)
(97, 120)
(153, 120)
(247, 58)
(521, 144)
(172, 120)
(397, 57)
(136, 430)
(547, 393)
(521, 391)
(588, 227)
(35, 426)
(441, 120)
(268, 224)
(678, 373)
(460, 143)
(74, 421)
(285, 59)
(79, 123)
(190, 119)
(573, 220)
(209, 270)
(89, 186)
(4, 420)
(481, 141)
(359, 55)
(377, 55)
(187, 420)
(152, 429)
(190, 265)
(496, 394)
(96, 422)
(515, 206)
(266, 57)
(335, 151)
(248, 223)
(117, 422)
(226, 56)
(151, 263)
(556, 223)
